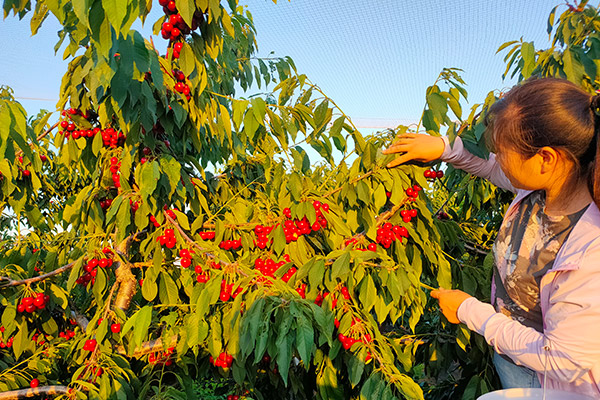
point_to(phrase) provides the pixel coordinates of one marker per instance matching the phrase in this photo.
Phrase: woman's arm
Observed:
(570, 333)
(426, 148)
(489, 169)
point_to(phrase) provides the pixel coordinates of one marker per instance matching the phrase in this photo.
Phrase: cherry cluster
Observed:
(90, 345)
(413, 192)
(233, 397)
(33, 303)
(154, 221)
(181, 86)
(348, 341)
(115, 164)
(110, 136)
(321, 297)
(24, 171)
(224, 360)
(174, 27)
(9, 341)
(168, 239)
(135, 205)
(262, 232)
(432, 174)
(186, 258)
(295, 228)
(226, 291)
(162, 357)
(408, 215)
(91, 268)
(202, 276)
(105, 204)
(207, 235)
(230, 244)
(388, 233)
(302, 290)
(39, 336)
(268, 267)
(68, 334)
(288, 275)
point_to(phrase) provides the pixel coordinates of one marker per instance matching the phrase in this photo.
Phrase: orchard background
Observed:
(166, 238)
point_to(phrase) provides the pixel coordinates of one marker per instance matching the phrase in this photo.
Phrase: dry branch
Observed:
(125, 278)
(151, 346)
(35, 392)
(12, 282)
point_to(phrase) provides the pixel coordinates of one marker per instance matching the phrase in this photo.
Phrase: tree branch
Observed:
(151, 346)
(39, 391)
(12, 282)
(20, 152)
(125, 278)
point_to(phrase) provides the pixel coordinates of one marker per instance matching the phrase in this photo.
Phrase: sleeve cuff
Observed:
(475, 314)
(451, 151)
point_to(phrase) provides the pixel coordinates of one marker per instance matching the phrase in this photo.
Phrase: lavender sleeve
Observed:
(489, 169)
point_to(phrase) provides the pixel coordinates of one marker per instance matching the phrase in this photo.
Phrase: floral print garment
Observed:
(525, 249)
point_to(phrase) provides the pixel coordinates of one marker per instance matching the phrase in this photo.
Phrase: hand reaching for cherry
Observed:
(417, 147)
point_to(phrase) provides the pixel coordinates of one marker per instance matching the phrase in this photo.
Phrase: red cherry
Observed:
(439, 174)
(184, 253)
(178, 46)
(224, 296)
(171, 6)
(26, 173)
(34, 383)
(412, 213)
(115, 328)
(186, 262)
(372, 246)
(427, 173)
(39, 302)
(105, 263)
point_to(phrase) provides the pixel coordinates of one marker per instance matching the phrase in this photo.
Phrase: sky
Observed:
(374, 59)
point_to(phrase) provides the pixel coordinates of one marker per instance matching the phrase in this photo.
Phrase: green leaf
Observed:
(115, 10)
(528, 55)
(355, 370)
(187, 60)
(186, 8)
(304, 339)
(148, 178)
(341, 266)
(142, 323)
(573, 68)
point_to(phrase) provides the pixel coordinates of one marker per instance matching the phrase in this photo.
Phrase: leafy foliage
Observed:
(177, 233)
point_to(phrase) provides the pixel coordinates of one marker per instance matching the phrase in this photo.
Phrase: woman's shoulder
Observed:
(582, 248)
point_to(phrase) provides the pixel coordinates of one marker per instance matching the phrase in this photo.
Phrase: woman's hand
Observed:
(450, 300)
(416, 147)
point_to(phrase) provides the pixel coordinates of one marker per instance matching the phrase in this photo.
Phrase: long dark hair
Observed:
(550, 112)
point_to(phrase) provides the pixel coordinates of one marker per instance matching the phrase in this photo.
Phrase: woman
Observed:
(545, 317)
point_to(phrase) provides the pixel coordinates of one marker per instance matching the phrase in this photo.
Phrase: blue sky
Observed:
(375, 59)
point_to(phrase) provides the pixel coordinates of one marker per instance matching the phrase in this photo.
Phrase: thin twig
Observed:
(12, 282)
(19, 152)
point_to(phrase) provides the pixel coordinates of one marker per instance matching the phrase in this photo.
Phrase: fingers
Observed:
(399, 145)
(437, 293)
(399, 160)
